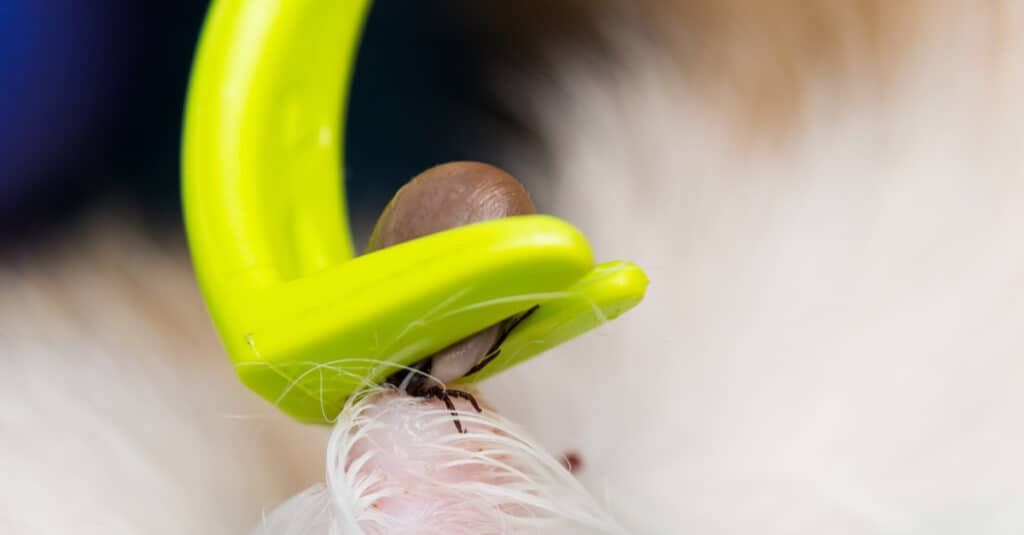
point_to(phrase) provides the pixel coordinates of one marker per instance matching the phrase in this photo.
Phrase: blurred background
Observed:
(826, 194)
(95, 94)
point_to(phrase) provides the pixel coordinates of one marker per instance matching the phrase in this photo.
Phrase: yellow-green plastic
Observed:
(304, 322)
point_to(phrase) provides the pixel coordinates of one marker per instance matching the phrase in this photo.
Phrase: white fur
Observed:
(832, 342)
(389, 451)
(833, 336)
(118, 411)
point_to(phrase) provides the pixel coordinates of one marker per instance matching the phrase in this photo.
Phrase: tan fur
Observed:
(828, 199)
(120, 413)
(756, 60)
(831, 339)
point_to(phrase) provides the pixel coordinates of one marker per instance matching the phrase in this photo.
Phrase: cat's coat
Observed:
(828, 198)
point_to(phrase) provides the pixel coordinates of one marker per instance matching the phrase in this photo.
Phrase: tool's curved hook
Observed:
(305, 323)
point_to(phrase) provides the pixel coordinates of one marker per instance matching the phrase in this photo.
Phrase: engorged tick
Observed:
(441, 198)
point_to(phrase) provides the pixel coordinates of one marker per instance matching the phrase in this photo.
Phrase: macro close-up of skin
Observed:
(825, 196)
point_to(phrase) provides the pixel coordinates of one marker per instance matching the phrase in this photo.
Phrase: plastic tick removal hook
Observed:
(305, 322)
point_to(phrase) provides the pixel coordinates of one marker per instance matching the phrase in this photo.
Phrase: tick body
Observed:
(441, 198)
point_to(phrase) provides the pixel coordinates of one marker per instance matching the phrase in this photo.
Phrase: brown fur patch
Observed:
(756, 57)
(753, 59)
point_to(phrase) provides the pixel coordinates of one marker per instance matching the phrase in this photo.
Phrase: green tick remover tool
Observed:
(306, 323)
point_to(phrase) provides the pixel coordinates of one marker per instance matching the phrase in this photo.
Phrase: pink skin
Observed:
(409, 447)
(396, 464)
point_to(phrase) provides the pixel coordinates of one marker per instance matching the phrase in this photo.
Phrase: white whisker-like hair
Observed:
(389, 450)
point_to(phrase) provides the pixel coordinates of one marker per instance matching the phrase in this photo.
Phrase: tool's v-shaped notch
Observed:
(305, 323)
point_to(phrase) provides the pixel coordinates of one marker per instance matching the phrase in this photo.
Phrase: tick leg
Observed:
(487, 360)
(442, 394)
(496, 349)
(466, 396)
(515, 323)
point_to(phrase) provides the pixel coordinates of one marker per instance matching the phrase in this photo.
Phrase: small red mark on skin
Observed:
(572, 461)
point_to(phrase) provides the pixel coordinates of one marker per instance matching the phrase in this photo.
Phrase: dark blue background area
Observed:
(94, 95)
(56, 79)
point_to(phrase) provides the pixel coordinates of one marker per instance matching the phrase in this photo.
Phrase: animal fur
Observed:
(827, 197)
